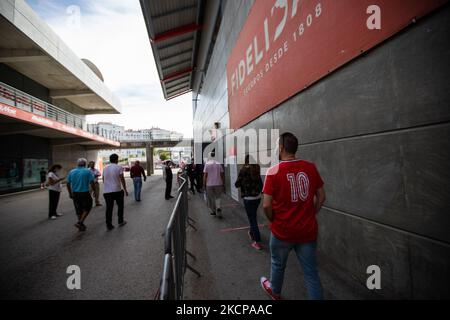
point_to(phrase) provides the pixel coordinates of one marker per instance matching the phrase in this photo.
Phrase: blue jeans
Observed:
(306, 255)
(137, 182)
(251, 207)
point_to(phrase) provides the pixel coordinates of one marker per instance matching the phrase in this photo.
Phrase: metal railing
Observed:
(145, 136)
(26, 102)
(175, 252)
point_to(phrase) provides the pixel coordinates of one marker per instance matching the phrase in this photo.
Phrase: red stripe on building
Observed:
(45, 122)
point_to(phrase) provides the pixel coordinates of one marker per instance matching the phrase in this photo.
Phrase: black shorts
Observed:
(82, 201)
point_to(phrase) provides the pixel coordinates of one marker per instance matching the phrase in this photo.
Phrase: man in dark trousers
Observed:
(168, 176)
(191, 172)
(114, 190)
(43, 176)
(198, 172)
(293, 196)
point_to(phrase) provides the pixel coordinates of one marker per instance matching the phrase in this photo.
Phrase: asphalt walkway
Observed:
(122, 264)
(126, 263)
(231, 268)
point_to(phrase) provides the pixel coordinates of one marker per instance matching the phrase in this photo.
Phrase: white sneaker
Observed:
(53, 218)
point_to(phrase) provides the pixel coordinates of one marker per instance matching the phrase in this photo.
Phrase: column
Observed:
(149, 156)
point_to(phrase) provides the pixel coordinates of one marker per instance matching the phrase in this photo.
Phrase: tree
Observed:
(163, 156)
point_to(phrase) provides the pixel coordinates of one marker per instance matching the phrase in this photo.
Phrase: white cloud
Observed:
(113, 36)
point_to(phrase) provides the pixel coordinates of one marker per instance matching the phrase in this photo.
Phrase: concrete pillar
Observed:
(149, 156)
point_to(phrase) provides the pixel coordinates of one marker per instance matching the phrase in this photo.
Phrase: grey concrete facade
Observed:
(23, 83)
(378, 129)
(67, 156)
(31, 47)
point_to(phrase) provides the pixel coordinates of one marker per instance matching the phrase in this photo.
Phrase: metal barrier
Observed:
(175, 252)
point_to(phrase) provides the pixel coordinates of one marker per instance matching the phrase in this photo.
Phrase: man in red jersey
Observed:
(293, 195)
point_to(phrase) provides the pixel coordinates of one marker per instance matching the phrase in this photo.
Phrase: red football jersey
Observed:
(292, 185)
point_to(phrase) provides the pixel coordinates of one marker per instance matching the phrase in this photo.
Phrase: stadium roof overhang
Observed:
(174, 28)
(29, 46)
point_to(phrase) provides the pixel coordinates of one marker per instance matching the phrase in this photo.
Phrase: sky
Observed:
(112, 34)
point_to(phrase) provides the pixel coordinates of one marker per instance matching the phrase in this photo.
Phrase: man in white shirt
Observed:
(114, 189)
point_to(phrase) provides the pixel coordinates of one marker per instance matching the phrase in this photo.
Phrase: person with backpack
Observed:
(250, 182)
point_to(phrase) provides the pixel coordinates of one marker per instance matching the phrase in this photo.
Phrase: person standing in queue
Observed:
(168, 176)
(114, 190)
(250, 182)
(191, 173)
(198, 173)
(79, 181)
(213, 183)
(54, 190)
(95, 191)
(293, 196)
(137, 173)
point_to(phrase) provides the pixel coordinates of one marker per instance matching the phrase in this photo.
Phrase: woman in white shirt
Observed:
(54, 190)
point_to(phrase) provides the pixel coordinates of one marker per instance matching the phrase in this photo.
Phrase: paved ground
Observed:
(122, 264)
(231, 268)
(126, 263)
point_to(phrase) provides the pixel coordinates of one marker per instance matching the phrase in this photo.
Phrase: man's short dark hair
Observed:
(114, 158)
(289, 142)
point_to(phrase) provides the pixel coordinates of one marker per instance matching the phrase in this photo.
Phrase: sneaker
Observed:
(111, 227)
(52, 218)
(82, 227)
(219, 213)
(213, 213)
(78, 225)
(256, 245)
(265, 284)
(59, 214)
(122, 224)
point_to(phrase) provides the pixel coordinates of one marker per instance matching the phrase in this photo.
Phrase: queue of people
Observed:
(292, 195)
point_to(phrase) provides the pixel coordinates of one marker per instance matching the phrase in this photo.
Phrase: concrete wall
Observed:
(22, 16)
(379, 131)
(67, 156)
(15, 79)
(69, 107)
